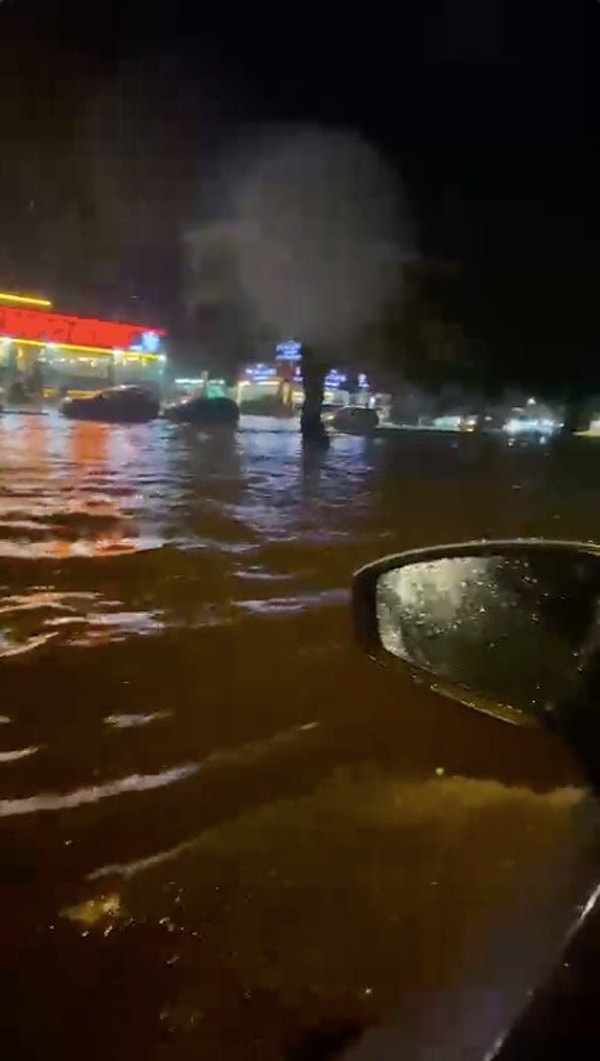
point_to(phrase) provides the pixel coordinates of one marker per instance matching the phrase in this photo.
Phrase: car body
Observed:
(204, 412)
(523, 427)
(354, 420)
(115, 405)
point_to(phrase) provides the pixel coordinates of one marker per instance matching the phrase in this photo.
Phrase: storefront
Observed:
(44, 353)
(259, 383)
(280, 382)
(198, 386)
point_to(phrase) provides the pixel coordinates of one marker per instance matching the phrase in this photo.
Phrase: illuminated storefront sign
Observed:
(39, 326)
(261, 373)
(288, 351)
(149, 343)
(334, 380)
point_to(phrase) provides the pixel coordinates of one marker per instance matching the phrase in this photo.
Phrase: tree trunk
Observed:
(313, 377)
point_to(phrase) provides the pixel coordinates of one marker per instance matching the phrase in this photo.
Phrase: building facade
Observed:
(43, 352)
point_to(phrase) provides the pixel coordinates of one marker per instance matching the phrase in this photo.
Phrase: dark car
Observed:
(115, 405)
(204, 412)
(355, 420)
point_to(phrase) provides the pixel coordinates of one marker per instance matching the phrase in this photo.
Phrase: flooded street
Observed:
(221, 827)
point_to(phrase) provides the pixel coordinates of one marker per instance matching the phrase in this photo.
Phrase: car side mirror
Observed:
(511, 628)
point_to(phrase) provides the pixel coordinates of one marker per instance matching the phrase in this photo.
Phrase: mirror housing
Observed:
(511, 628)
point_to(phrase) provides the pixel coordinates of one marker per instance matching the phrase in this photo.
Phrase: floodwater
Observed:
(222, 828)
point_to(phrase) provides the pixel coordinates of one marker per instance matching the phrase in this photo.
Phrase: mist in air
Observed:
(317, 232)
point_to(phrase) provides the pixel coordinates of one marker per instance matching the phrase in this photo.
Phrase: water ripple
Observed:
(18, 753)
(30, 620)
(51, 801)
(129, 721)
(274, 605)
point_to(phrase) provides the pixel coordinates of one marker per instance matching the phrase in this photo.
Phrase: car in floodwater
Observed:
(115, 405)
(525, 426)
(204, 412)
(353, 420)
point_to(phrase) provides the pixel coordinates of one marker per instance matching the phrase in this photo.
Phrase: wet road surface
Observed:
(220, 827)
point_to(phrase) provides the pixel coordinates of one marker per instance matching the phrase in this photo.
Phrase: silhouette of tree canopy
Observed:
(531, 279)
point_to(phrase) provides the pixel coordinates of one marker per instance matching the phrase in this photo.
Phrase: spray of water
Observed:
(318, 231)
(321, 216)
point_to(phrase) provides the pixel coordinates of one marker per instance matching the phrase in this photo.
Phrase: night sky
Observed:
(114, 124)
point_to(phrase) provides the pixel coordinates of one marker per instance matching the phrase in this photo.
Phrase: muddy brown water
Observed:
(221, 828)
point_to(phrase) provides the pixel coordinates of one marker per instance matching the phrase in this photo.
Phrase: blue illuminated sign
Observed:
(260, 373)
(149, 343)
(333, 380)
(288, 351)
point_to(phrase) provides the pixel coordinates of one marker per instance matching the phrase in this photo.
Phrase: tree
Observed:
(416, 335)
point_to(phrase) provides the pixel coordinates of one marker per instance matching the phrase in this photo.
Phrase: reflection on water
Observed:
(125, 721)
(65, 500)
(94, 910)
(18, 753)
(178, 691)
(35, 618)
(10, 808)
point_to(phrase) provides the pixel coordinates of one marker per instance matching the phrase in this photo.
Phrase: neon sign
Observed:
(288, 351)
(26, 300)
(260, 373)
(149, 343)
(38, 326)
(333, 380)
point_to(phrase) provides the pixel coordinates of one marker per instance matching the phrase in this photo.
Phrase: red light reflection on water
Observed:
(60, 506)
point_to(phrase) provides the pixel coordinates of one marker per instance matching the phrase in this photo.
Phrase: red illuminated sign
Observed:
(78, 331)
